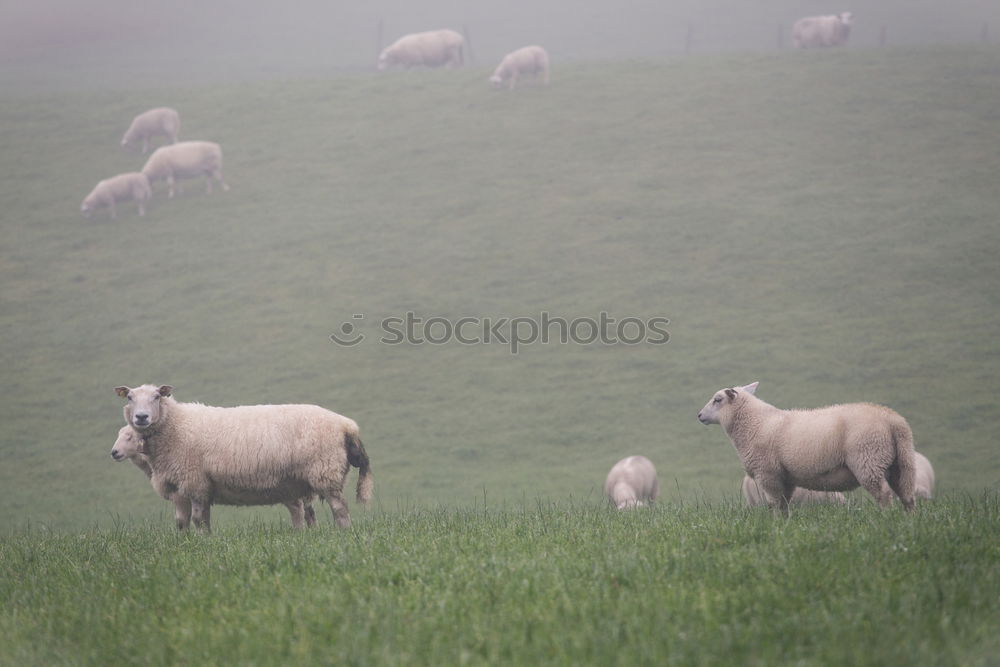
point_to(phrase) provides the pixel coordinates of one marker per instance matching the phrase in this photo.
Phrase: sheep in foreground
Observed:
(246, 455)
(528, 60)
(924, 487)
(756, 497)
(131, 186)
(130, 446)
(434, 48)
(187, 159)
(836, 448)
(632, 483)
(822, 31)
(159, 122)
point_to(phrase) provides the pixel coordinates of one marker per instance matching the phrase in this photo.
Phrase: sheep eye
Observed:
(718, 399)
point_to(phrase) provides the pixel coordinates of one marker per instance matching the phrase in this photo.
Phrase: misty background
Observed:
(134, 43)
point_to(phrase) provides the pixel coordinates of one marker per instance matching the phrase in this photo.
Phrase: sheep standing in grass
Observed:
(124, 187)
(434, 48)
(632, 483)
(756, 497)
(532, 60)
(820, 31)
(247, 455)
(836, 448)
(925, 477)
(159, 122)
(187, 159)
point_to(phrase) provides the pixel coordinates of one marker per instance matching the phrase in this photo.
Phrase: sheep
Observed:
(130, 446)
(246, 455)
(162, 121)
(528, 60)
(132, 185)
(836, 448)
(755, 497)
(924, 486)
(430, 49)
(632, 483)
(822, 31)
(186, 159)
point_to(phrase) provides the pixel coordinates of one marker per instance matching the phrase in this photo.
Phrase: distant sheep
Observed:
(632, 483)
(835, 448)
(756, 497)
(131, 186)
(162, 121)
(435, 48)
(529, 60)
(247, 455)
(187, 159)
(924, 487)
(820, 31)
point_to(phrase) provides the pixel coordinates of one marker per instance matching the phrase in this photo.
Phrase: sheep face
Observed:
(144, 408)
(846, 18)
(383, 61)
(496, 80)
(710, 414)
(127, 445)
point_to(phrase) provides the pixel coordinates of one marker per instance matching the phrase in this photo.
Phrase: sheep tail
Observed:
(904, 467)
(358, 458)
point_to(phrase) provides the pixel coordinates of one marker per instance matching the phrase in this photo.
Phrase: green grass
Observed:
(566, 583)
(825, 223)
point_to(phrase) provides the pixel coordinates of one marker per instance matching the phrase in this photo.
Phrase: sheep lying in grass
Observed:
(924, 487)
(835, 448)
(756, 497)
(124, 187)
(247, 455)
(632, 483)
(187, 159)
(162, 121)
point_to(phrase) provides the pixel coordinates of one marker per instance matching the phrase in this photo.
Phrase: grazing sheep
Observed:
(162, 121)
(529, 60)
(186, 159)
(124, 187)
(247, 455)
(924, 485)
(822, 31)
(632, 483)
(836, 448)
(756, 497)
(434, 48)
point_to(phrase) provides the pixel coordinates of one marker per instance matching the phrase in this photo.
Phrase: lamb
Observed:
(836, 448)
(528, 60)
(186, 159)
(130, 446)
(132, 185)
(162, 121)
(246, 455)
(632, 483)
(822, 30)
(924, 487)
(434, 48)
(755, 497)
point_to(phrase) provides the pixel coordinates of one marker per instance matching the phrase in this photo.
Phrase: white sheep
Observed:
(836, 448)
(924, 486)
(132, 186)
(822, 31)
(434, 48)
(162, 121)
(186, 159)
(756, 497)
(632, 483)
(528, 60)
(246, 455)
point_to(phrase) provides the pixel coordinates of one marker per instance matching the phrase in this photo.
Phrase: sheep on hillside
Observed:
(528, 60)
(434, 48)
(822, 30)
(756, 497)
(186, 159)
(162, 121)
(124, 187)
(632, 483)
(924, 487)
(836, 448)
(246, 455)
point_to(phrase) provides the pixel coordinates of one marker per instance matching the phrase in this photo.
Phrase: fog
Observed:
(226, 39)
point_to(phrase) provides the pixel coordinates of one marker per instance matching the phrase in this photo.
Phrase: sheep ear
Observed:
(751, 388)
(166, 390)
(122, 391)
(731, 393)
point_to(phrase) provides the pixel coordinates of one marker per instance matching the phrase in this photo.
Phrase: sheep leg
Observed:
(182, 512)
(217, 175)
(170, 185)
(208, 183)
(778, 492)
(201, 514)
(114, 212)
(879, 488)
(310, 515)
(340, 512)
(296, 511)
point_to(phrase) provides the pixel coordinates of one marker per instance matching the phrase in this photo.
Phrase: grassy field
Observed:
(557, 583)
